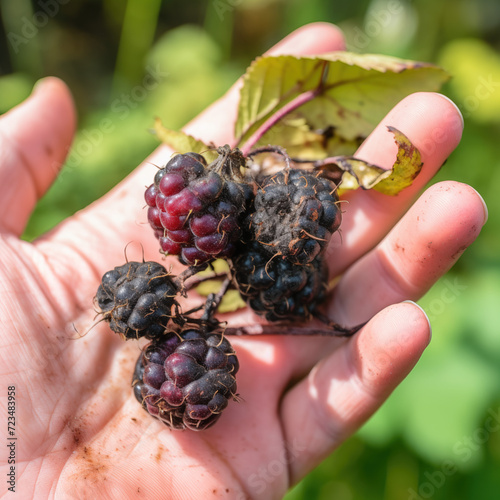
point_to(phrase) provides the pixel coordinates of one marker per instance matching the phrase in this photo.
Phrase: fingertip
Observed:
(389, 347)
(50, 100)
(35, 137)
(424, 314)
(445, 220)
(349, 385)
(313, 38)
(454, 107)
(482, 203)
(431, 121)
(437, 119)
(55, 90)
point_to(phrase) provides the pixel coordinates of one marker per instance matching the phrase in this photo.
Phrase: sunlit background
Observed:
(128, 61)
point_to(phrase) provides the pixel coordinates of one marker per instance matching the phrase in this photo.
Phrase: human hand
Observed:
(80, 431)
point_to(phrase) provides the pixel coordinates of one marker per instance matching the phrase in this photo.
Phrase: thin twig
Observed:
(214, 300)
(198, 280)
(280, 329)
(190, 271)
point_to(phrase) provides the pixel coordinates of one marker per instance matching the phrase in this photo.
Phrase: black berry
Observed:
(277, 288)
(137, 299)
(295, 215)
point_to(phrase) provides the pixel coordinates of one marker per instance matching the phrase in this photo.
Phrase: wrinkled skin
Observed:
(81, 433)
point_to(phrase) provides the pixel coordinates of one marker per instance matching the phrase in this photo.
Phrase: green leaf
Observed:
(183, 143)
(300, 141)
(350, 93)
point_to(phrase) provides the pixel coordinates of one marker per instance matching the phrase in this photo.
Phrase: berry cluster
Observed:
(186, 375)
(273, 231)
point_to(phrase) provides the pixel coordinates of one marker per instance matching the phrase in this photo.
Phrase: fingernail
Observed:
(456, 107)
(424, 313)
(485, 207)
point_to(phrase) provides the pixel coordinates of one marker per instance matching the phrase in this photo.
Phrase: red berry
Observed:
(199, 206)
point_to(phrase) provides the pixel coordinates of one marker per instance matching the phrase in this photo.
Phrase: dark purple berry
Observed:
(277, 288)
(186, 378)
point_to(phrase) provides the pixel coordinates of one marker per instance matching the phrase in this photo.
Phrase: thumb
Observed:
(34, 140)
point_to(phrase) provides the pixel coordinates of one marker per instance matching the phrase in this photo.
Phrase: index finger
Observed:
(434, 125)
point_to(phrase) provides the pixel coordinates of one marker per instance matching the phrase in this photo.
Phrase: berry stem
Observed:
(198, 280)
(190, 271)
(295, 103)
(334, 331)
(214, 299)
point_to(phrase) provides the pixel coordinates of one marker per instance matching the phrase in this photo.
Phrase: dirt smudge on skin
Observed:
(459, 252)
(399, 248)
(92, 466)
(77, 428)
(159, 453)
(77, 435)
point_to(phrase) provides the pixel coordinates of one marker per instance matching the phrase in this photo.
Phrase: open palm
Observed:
(80, 432)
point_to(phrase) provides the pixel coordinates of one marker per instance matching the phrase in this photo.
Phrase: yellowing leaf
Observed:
(354, 173)
(406, 167)
(231, 301)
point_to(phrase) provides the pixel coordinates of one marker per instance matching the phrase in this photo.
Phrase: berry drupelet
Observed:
(277, 288)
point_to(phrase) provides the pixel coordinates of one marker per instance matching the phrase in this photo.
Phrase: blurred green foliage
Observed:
(129, 61)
